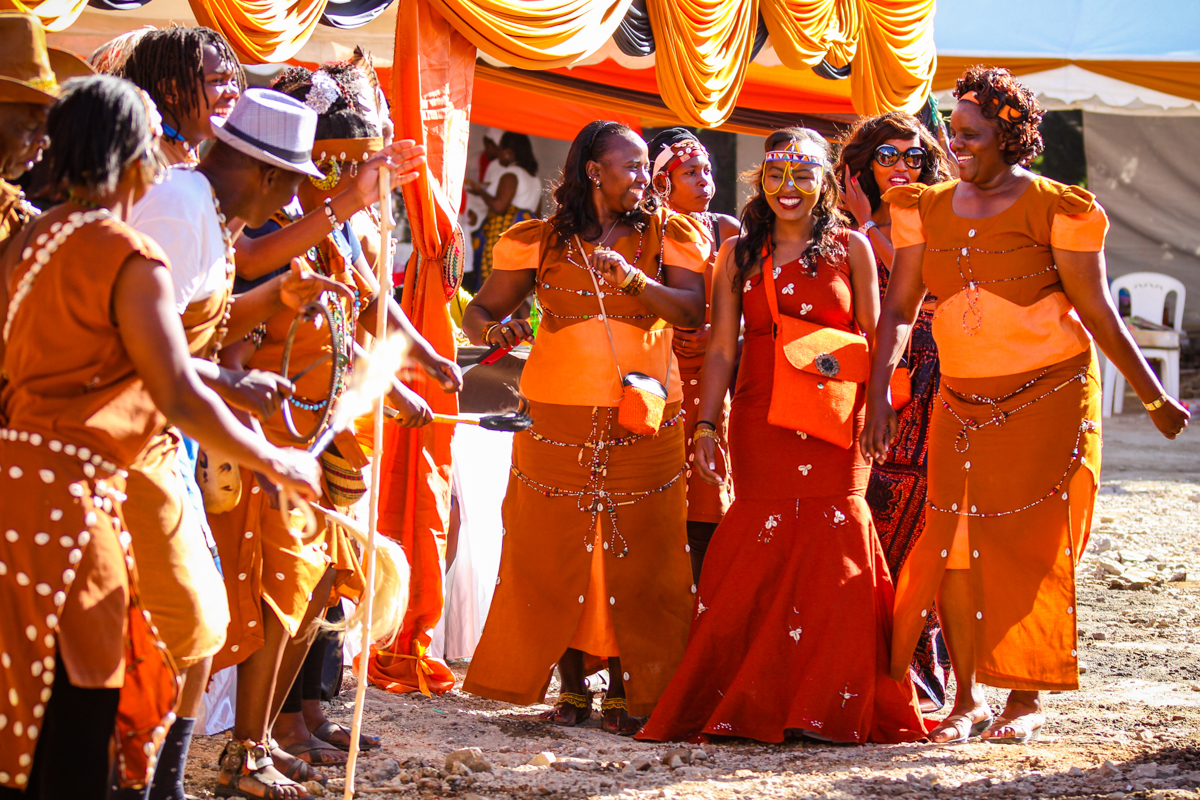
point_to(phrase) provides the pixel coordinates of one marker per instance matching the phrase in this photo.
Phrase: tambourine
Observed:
(341, 361)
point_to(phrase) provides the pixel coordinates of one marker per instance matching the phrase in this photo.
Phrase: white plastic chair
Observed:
(1147, 299)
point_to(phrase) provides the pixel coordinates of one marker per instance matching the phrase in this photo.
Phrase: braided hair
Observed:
(573, 194)
(758, 218)
(170, 63)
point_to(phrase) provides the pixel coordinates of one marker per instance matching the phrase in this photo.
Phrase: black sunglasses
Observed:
(886, 155)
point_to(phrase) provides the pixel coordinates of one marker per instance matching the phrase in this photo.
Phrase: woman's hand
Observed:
(1170, 418)
(295, 471)
(855, 199)
(879, 431)
(707, 451)
(509, 334)
(411, 409)
(256, 391)
(444, 371)
(611, 266)
(691, 343)
(403, 157)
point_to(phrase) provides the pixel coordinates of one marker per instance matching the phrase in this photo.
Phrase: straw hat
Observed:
(270, 126)
(29, 71)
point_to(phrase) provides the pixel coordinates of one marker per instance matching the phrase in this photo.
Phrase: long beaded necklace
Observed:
(340, 335)
(601, 500)
(972, 284)
(580, 261)
(999, 416)
(47, 244)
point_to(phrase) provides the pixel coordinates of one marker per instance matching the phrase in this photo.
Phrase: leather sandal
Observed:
(327, 729)
(246, 762)
(624, 725)
(316, 753)
(580, 706)
(1022, 732)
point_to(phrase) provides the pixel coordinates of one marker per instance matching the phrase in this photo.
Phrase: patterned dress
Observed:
(896, 491)
(792, 619)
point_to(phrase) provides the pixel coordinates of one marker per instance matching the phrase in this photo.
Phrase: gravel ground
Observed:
(1133, 729)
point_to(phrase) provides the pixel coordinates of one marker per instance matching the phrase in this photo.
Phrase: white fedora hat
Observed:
(272, 127)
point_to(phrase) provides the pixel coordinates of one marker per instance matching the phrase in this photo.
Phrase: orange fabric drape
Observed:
(889, 44)
(431, 83)
(535, 35)
(525, 111)
(703, 48)
(55, 15)
(260, 31)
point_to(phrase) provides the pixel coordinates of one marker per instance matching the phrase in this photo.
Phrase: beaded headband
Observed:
(1007, 112)
(674, 155)
(794, 157)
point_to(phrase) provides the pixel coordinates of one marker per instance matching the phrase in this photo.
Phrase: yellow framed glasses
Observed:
(774, 179)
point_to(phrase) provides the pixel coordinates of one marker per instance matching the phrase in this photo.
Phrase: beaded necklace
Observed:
(972, 284)
(47, 244)
(605, 291)
(218, 339)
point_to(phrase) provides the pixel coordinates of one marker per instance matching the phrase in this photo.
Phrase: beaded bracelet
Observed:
(333, 220)
(637, 285)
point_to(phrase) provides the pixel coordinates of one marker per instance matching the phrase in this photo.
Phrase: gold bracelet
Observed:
(487, 331)
(705, 433)
(637, 285)
(1157, 403)
(629, 277)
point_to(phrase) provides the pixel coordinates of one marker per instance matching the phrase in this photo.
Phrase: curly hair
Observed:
(347, 117)
(170, 63)
(758, 218)
(996, 88)
(573, 194)
(858, 152)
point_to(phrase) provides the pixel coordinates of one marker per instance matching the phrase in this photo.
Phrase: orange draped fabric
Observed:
(431, 81)
(703, 48)
(535, 35)
(55, 15)
(260, 31)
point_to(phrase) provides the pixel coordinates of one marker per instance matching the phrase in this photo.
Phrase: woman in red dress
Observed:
(793, 614)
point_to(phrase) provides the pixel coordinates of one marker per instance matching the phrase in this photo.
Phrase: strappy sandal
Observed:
(315, 753)
(625, 724)
(245, 762)
(579, 702)
(327, 729)
(1023, 733)
(954, 721)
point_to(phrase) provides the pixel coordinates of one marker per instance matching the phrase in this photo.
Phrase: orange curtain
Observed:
(889, 44)
(431, 84)
(261, 31)
(535, 35)
(55, 15)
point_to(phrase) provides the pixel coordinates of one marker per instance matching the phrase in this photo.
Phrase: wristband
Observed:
(700, 422)
(333, 220)
(865, 228)
(1157, 403)
(705, 433)
(487, 331)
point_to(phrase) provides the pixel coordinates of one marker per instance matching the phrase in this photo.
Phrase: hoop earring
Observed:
(333, 173)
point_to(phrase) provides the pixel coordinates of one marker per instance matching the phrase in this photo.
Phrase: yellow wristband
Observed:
(706, 433)
(1157, 403)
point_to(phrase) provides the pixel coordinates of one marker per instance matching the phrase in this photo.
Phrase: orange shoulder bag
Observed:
(817, 373)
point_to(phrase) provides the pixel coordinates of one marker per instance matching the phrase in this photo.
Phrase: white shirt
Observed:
(529, 188)
(181, 216)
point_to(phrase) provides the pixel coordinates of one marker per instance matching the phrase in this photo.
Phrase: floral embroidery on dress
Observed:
(795, 634)
(700, 607)
(805, 308)
(838, 517)
(777, 271)
(769, 527)
(846, 694)
(804, 468)
(748, 286)
(789, 289)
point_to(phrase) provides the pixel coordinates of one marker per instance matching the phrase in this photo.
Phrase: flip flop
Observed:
(315, 752)
(296, 768)
(328, 728)
(1021, 733)
(975, 729)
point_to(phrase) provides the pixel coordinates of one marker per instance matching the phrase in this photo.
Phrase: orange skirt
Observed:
(1025, 490)
(548, 563)
(68, 583)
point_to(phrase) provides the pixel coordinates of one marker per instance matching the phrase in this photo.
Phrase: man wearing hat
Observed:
(263, 150)
(29, 77)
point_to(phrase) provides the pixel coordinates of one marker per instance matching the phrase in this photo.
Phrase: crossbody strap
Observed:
(769, 287)
(603, 313)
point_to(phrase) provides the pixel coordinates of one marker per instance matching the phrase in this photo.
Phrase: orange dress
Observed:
(265, 559)
(791, 625)
(1014, 444)
(76, 415)
(595, 548)
(705, 502)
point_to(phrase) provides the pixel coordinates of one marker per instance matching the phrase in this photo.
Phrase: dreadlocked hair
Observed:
(758, 219)
(573, 193)
(100, 127)
(346, 116)
(169, 63)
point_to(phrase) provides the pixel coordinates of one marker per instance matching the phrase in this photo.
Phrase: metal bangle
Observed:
(709, 423)
(1157, 403)
(705, 433)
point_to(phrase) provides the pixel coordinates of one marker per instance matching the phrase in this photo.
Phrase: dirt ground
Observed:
(1133, 729)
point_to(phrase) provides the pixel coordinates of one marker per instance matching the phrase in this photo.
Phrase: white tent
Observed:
(1134, 71)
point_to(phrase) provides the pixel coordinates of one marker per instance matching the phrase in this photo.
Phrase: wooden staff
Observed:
(383, 275)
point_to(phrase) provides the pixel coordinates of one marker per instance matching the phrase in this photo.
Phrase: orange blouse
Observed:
(572, 362)
(1001, 307)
